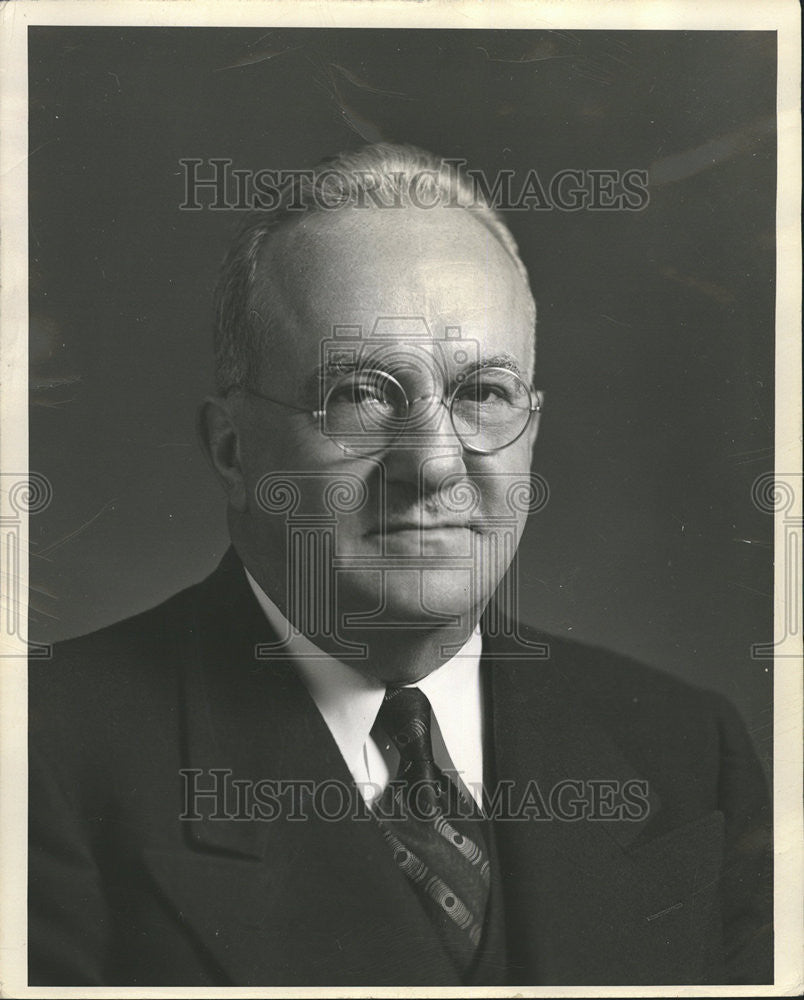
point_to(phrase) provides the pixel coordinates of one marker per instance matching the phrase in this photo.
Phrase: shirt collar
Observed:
(349, 701)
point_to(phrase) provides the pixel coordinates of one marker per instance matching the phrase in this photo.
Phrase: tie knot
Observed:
(405, 716)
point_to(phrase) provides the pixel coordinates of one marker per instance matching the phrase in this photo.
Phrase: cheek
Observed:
(280, 448)
(503, 483)
(312, 499)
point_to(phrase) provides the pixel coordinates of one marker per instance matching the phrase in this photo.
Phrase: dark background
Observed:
(656, 327)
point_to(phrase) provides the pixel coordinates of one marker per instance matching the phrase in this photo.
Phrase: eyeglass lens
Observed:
(367, 410)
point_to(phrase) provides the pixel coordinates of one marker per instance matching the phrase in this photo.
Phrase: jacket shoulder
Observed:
(99, 678)
(608, 676)
(643, 708)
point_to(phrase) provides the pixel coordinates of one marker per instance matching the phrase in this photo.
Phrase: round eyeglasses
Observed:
(366, 411)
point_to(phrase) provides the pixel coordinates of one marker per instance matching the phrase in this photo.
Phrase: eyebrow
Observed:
(321, 373)
(332, 369)
(507, 361)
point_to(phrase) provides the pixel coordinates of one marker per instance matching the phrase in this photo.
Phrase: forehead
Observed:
(385, 273)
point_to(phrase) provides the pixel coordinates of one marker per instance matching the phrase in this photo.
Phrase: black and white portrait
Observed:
(400, 505)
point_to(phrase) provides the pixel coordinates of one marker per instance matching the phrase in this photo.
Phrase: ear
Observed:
(219, 434)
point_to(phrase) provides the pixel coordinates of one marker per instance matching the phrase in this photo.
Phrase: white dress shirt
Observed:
(349, 701)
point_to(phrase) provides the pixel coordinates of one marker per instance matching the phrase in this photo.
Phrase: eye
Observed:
(357, 395)
(485, 392)
(365, 391)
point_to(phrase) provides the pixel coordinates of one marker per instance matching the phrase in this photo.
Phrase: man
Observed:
(337, 761)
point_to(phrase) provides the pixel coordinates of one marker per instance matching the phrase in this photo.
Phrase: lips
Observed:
(396, 527)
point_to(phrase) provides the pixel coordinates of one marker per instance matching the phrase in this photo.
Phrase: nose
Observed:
(427, 451)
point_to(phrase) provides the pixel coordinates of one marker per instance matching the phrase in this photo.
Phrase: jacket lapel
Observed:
(590, 901)
(297, 899)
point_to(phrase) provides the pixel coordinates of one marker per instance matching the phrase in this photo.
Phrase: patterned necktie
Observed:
(427, 824)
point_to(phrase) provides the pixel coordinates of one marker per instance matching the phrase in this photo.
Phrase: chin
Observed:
(412, 598)
(399, 676)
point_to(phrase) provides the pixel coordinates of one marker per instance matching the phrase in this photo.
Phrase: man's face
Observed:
(425, 526)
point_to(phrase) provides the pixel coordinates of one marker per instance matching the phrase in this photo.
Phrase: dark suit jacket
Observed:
(122, 891)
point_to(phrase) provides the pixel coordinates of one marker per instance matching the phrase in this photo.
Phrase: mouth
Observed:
(419, 528)
(444, 539)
